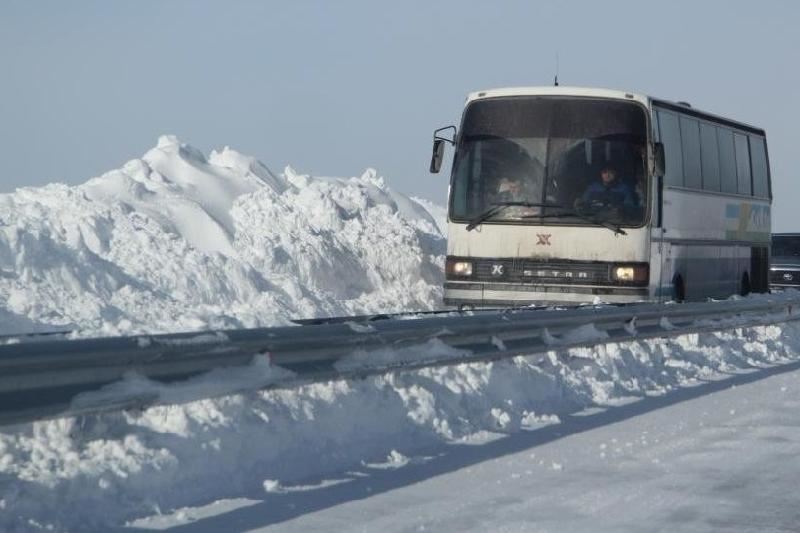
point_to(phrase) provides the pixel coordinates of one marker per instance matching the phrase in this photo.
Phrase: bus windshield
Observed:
(551, 160)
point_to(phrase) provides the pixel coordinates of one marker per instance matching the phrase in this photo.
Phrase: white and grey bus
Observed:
(574, 194)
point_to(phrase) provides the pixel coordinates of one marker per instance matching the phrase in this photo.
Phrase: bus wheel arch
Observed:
(678, 288)
(745, 287)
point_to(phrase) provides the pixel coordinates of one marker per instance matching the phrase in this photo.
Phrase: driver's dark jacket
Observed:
(616, 195)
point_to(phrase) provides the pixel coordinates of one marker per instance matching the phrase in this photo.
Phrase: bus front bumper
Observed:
(494, 294)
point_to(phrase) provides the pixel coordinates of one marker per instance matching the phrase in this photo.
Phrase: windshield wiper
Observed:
(499, 206)
(616, 228)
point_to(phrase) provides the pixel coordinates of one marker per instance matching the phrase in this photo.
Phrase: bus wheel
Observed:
(678, 289)
(745, 288)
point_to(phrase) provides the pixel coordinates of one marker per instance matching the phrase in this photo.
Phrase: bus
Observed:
(569, 194)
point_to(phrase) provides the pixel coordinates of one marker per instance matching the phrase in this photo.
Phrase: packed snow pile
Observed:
(145, 468)
(180, 241)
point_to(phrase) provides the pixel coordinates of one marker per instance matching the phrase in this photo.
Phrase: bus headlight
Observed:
(459, 268)
(630, 273)
(623, 273)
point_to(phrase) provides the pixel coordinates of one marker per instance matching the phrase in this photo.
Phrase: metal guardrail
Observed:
(50, 378)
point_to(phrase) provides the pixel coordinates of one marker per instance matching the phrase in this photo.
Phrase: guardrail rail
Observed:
(50, 378)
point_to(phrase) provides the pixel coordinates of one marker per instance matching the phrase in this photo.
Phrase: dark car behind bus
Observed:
(785, 263)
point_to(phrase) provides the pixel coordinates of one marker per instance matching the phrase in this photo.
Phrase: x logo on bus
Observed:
(497, 270)
(788, 277)
(544, 238)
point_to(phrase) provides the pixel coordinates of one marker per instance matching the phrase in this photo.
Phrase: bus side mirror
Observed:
(438, 148)
(438, 155)
(659, 167)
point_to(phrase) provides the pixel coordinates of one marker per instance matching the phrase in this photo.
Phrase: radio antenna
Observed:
(555, 80)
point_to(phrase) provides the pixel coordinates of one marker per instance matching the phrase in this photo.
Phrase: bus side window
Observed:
(690, 137)
(727, 160)
(670, 135)
(758, 154)
(743, 164)
(709, 155)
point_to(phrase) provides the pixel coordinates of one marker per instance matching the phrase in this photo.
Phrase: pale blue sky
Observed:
(333, 87)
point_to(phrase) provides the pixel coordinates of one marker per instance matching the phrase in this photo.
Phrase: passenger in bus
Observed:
(609, 195)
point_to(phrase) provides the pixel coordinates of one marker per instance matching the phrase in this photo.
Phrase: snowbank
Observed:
(180, 241)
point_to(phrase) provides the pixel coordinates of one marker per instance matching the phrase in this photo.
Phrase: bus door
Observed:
(664, 257)
(660, 251)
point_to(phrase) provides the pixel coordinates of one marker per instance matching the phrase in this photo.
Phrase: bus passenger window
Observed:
(760, 171)
(743, 164)
(709, 155)
(690, 137)
(727, 160)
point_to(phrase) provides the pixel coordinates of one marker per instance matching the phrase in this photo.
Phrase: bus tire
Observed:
(745, 289)
(678, 288)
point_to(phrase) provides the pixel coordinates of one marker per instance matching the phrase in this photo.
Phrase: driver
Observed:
(608, 193)
(511, 189)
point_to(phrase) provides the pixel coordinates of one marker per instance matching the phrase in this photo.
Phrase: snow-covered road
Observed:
(718, 456)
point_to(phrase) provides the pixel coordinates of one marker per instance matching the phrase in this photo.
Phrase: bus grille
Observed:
(522, 270)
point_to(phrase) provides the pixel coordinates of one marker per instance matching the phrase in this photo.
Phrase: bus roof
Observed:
(560, 90)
